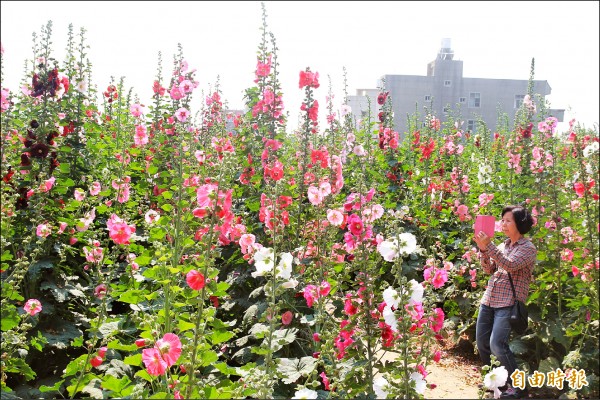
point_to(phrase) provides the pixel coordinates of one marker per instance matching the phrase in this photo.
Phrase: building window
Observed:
(519, 100)
(427, 98)
(474, 100)
(462, 99)
(447, 83)
(471, 126)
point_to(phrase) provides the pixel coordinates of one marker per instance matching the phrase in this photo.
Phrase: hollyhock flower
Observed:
(355, 225)
(325, 380)
(47, 185)
(96, 361)
(102, 351)
(62, 226)
(32, 307)
(264, 260)
(100, 291)
(136, 110)
(310, 294)
(359, 150)
(195, 279)
(389, 318)
(79, 194)
(95, 188)
(118, 230)
(43, 230)
(420, 383)
(170, 348)
(575, 270)
(416, 291)
(155, 365)
(345, 110)
(391, 298)
(305, 394)
(141, 136)
(308, 78)
(438, 319)
(324, 288)
(151, 217)
(286, 318)
(494, 379)
(284, 268)
(591, 149)
(335, 217)
(380, 387)
(437, 356)
(349, 307)
(566, 255)
(315, 196)
(439, 278)
(388, 249)
(182, 114)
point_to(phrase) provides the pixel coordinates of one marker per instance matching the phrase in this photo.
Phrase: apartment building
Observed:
(445, 91)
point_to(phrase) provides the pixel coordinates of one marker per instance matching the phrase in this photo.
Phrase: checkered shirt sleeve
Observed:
(518, 259)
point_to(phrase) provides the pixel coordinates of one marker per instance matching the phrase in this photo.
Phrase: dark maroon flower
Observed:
(382, 97)
(39, 150)
(381, 116)
(25, 160)
(34, 124)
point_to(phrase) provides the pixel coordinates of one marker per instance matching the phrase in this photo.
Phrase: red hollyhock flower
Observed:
(195, 280)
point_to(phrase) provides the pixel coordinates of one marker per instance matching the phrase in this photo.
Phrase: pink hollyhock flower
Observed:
(155, 365)
(151, 217)
(96, 361)
(247, 241)
(437, 356)
(355, 224)
(140, 137)
(325, 380)
(324, 288)
(176, 92)
(62, 226)
(310, 294)
(100, 291)
(335, 217)
(462, 211)
(43, 230)
(182, 114)
(316, 337)
(566, 255)
(79, 194)
(438, 319)
(314, 196)
(286, 318)
(32, 307)
(47, 185)
(102, 351)
(170, 348)
(118, 230)
(136, 110)
(95, 188)
(195, 280)
(439, 278)
(575, 270)
(140, 343)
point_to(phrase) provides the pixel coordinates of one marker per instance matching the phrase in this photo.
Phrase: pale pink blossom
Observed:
(182, 114)
(136, 110)
(151, 217)
(43, 230)
(47, 185)
(32, 307)
(79, 194)
(118, 230)
(335, 217)
(95, 188)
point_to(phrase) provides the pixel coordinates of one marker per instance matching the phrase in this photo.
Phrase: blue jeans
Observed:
(492, 334)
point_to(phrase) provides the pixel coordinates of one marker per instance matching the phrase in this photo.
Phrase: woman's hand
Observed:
(482, 240)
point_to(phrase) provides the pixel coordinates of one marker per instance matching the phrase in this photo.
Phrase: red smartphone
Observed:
(485, 223)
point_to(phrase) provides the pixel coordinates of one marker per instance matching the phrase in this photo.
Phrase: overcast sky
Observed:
(370, 39)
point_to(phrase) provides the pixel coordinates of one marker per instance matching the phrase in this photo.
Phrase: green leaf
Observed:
(109, 382)
(135, 360)
(132, 296)
(217, 337)
(208, 357)
(291, 369)
(6, 256)
(10, 317)
(167, 195)
(167, 207)
(55, 388)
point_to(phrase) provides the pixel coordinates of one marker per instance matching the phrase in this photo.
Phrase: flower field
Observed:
(179, 250)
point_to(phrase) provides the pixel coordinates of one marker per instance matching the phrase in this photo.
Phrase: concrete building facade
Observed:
(445, 91)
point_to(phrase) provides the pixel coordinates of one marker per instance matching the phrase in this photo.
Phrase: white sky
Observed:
(369, 38)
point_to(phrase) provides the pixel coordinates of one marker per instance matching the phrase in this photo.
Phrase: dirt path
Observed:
(453, 378)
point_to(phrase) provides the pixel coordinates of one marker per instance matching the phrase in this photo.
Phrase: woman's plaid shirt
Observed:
(519, 260)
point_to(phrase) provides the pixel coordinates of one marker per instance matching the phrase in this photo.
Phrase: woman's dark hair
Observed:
(522, 216)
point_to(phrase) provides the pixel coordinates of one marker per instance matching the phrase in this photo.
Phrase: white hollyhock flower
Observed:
(408, 243)
(390, 296)
(388, 249)
(379, 387)
(416, 291)
(590, 149)
(420, 383)
(390, 318)
(495, 379)
(264, 260)
(284, 269)
(305, 394)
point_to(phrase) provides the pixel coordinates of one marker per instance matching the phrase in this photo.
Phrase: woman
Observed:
(517, 257)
